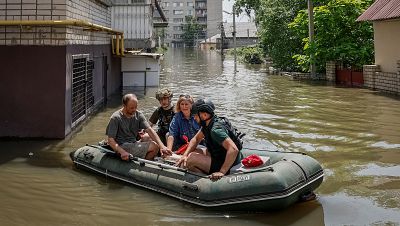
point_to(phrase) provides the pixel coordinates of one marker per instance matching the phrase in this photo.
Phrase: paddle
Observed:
(145, 161)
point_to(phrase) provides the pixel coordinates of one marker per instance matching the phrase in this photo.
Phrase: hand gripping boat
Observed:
(282, 180)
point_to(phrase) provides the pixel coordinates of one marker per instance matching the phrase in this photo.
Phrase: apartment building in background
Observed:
(208, 14)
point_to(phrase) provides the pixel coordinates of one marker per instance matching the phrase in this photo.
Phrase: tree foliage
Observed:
(283, 31)
(337, 34)
(191, 29)
(250, 54)
(276, 39)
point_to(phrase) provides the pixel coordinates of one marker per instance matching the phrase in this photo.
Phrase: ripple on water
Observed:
(373, 169)
(342, 209)
(385, 145)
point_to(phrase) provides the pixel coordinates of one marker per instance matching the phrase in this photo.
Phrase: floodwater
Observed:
(353, 133)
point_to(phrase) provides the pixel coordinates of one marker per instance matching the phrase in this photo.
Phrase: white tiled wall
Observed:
(88, 10)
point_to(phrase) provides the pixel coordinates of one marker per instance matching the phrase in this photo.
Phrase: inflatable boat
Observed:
(283, 179)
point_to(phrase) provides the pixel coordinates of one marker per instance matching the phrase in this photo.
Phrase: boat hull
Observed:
(285, 181)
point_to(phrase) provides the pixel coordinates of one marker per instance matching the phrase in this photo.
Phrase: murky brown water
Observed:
(354, 133)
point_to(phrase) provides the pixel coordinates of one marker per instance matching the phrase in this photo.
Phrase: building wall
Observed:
(32, 85)
(136, 20)
(36, 62)
(387, 48)
(175, 22)
(240, 42)
(375, 78)
(214, 17)
(104, 82)
(210, 16)
(91, 11)
(87, 10)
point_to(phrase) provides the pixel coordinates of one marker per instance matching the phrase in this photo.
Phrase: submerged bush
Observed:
(250, 54)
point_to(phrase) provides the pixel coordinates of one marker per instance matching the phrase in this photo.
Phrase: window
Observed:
(201, 4)
(178, 12)
(165, 4)
(178, 20)
(82, 87)
(190, 4)
(166, 12)
(177, 4)
(177, 36)
(190, 13)
(201, 19)
(201, 13)
(177, 28)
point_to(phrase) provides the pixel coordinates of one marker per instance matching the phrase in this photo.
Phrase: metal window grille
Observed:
(89, 84)
(82, 87)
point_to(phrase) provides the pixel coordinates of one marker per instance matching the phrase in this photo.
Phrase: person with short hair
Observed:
(183, 124)
(163, 115)
(124, 127)
(223, 152)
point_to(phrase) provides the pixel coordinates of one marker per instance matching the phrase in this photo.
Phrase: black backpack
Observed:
(233, 132)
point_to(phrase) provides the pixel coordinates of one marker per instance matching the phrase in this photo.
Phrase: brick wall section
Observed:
(305, 76)
(387, 82)
(93, 12)
(331, 71)
(88, 10)
(369, 75)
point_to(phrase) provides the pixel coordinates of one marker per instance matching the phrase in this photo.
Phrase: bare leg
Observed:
(198, 163)
(202, 151)
(152, 151)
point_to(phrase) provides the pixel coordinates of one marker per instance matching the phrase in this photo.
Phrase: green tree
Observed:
(191, 29)
(276, 39)
(337, 34)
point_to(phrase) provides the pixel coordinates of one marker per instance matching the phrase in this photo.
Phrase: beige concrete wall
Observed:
(214, 17)
(387, 45)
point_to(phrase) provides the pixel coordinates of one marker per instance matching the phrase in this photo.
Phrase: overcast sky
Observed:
(227, 6)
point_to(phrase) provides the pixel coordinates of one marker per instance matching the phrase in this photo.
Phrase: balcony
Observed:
(201, 5)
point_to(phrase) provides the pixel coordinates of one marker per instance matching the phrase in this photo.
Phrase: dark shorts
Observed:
(216, 164)
(137, 149)
(163, 136)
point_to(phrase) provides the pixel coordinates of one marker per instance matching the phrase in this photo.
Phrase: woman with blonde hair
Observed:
(183, 126)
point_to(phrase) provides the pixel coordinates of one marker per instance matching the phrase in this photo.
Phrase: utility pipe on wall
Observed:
(76, 23)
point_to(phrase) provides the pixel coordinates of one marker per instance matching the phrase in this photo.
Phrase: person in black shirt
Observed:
(222, 152)
(163, 115)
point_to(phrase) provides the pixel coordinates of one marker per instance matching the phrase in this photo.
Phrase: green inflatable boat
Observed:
(282, 180)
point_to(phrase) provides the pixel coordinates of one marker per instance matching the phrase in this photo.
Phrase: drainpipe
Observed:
(76, 23)
(112, 46)
(122, 45)
(117, 49)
